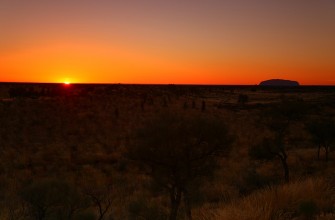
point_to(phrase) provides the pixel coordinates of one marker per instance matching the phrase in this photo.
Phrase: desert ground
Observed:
(119, 151)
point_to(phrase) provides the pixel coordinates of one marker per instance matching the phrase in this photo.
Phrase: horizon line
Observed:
(177, 84)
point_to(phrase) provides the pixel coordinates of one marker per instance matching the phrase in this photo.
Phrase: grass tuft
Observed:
(309, 197)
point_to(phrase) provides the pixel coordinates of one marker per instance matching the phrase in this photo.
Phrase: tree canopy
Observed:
(178, 151)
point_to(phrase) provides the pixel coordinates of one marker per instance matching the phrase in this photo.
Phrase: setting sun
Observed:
(178, 109)
(167, 42)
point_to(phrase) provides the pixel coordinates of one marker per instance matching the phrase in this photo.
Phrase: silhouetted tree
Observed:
(242, 99)
(100, 194)
(101, 200)
(270, 148)
(278, 120)
(178, 151)
(323, 134)
(51, 197)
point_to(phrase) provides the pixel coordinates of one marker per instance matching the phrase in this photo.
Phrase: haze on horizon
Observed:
(156, 41)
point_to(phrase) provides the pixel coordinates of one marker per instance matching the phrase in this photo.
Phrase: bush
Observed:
(141, 209)
(282, 202)
(179, 152)
(242, 99)
(251, 181)
(308, 209)
(85, 216)
(49, 197)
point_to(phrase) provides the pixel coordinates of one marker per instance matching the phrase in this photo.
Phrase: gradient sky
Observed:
(153, 41)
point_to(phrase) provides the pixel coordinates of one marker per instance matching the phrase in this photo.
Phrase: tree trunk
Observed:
(70, 214)
(41, 214)
(187, 205)
(319, 147)
(286, 171)
(175, 197)
(283, 159)
(326, 152)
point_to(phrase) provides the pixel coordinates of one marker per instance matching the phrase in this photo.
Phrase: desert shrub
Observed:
(323, 134)
(281, 202)
(101, 198)
(141, 209)
(265, 150)
(99, 189)
(49, 197)
(251, 180)
(242, 99)
(85, 215)
(122, 165)
(179, 152)
(278, 120)
(268, 149)
(308, 209)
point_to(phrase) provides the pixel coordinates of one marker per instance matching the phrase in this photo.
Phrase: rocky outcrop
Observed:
(279, 82)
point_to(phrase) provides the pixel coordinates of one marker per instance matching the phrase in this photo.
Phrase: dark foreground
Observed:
(166, 152)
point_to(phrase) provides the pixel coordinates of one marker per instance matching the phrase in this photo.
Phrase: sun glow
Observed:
(67, 83)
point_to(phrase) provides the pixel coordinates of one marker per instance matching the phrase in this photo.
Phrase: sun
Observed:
(67, 83)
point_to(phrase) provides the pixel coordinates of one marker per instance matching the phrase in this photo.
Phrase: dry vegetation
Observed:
(65, 153)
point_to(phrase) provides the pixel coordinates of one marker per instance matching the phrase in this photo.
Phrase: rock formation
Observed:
(279, 82)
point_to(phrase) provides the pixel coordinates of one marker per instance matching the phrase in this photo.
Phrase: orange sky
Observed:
(186, 42)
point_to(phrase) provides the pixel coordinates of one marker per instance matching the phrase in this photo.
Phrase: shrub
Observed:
(50, 197)
(282, 202)
(308, 209)
(242, 99)
(179, 151)
(142, 209)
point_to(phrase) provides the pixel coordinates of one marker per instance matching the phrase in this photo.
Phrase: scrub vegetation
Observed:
(102, 152)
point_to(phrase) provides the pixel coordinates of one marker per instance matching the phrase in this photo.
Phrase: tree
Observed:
(99, 190)
(49, 197)
(101, 199)
(323, 134)
(242, 99)
(270, 148)
(178, 151)
(278, 119)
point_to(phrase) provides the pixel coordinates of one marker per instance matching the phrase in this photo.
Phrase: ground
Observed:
(79, 135)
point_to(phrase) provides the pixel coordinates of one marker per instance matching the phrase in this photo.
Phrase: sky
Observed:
(167, 42)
